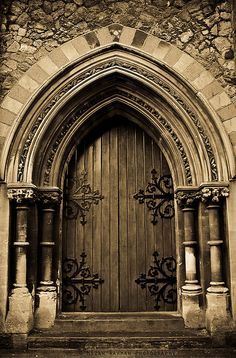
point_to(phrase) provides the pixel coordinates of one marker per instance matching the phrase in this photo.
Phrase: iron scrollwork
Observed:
(158, 196)
(160, 280)
(78, 281)
(79, 203)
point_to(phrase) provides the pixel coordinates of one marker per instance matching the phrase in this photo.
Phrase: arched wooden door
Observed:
(111, 236)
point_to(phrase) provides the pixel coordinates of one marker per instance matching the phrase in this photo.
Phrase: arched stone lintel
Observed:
(34, 141)
(165, 55)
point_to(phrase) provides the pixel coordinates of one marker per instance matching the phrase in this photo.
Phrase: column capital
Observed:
(213, 195)
(50, 197)
(22, 193)
(187, 198)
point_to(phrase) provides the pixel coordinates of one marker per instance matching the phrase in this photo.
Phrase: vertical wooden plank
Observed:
(166, 229)
(123, 218)
(105, 222)
(132, 230)
(87, 228)
(70, 225)
(114, 238)
(97, 219)
(149, 232)
(158, 228)
(79, 232)
(140, 217)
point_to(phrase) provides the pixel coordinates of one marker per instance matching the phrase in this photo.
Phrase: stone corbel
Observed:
(193, 313)
(46, 295)
(20, 315)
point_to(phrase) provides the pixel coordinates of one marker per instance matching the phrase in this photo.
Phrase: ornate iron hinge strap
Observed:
(158, 196)
(78, 281)
(80, 201)
(160, 280)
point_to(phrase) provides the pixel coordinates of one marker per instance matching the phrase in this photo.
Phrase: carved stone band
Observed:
(50, 197)
(188, 198)
(213, 195)
(210, 195)
(22, 194)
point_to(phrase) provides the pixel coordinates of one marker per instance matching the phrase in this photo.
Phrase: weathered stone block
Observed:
(6, 117)
(227, 112)
(220, 100)
(11, 105)
(127, 35)
(81, 45)
(217, 314)
(28, 83)
(48, 65)
(14, 47)
(45, 313)
(212, 89)
(172, 56)
(58, 57)
(193, 313)
(20, 315)
(69, 51)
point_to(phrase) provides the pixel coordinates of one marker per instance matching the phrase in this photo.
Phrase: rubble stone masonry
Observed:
(33, 28)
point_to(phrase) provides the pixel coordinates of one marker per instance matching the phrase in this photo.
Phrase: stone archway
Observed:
(118, 69)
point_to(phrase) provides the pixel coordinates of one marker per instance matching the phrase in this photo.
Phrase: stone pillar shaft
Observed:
(21, 244)
(191, 291)
(46, 292)
(217, 313)
(190, 246)
(47, 246)
(215, 246)
(20, 315)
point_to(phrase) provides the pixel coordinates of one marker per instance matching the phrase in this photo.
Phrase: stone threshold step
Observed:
(119, 315)
(185, 333)
(102, 342)
(118, 322)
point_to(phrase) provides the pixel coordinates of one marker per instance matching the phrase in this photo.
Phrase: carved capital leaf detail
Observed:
(213, 195)
(50, 198)
(21, 195)
(187, 199)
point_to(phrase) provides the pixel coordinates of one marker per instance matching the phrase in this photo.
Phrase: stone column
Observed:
(20, 315)
(217, 314)
(46, 296)
(191, 292)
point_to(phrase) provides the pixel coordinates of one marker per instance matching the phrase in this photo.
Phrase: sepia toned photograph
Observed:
(117, 178)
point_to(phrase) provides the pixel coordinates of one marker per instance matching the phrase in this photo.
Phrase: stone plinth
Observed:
(192, 311)
(218, 318)
(45, 312)
(20, 315)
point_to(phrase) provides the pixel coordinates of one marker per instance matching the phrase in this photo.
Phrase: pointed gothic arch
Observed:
(111, 70)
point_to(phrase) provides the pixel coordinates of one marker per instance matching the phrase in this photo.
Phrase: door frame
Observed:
(41, 140)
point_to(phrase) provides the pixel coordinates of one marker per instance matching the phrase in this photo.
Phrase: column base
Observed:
(45, 313)
(193, 314)
(20, 315)
(218, 316)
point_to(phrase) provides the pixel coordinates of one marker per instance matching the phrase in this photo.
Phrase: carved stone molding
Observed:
(22, 195)
(187, 198)
(213, 195)
(50, 197)
(140, 102)
(131, 68)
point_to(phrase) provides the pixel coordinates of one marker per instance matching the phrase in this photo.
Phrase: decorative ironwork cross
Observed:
(79, 203)
(162, 287)
(78, 281)
(158, 196)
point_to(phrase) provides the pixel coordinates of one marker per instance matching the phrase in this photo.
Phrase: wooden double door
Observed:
(118, 218)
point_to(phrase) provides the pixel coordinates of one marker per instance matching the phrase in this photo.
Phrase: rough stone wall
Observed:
(32, 28)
